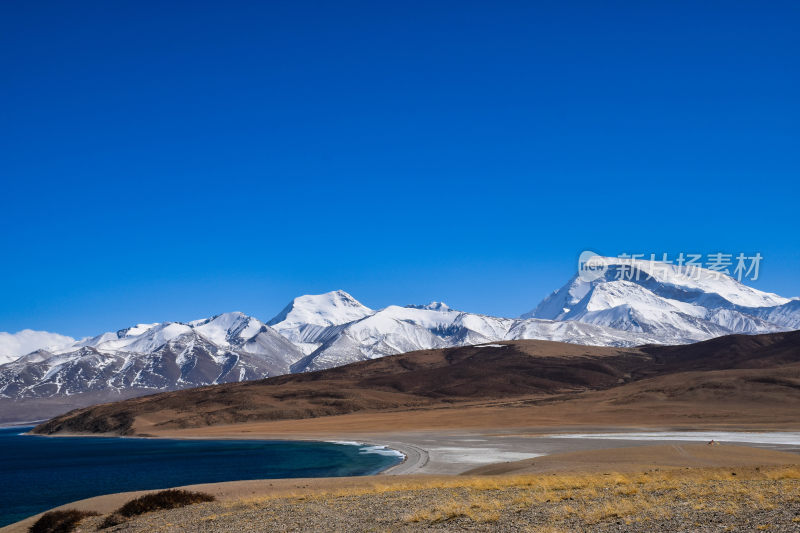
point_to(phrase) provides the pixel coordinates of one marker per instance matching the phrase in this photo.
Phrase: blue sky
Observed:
(169, 161)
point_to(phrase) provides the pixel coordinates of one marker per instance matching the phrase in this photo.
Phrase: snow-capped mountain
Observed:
(396, 329)
(633, 302)
(376, 335)
(786, 315)
(305, 320)
(165, 356)
(674, 303)
(629, 303)
(15, 345)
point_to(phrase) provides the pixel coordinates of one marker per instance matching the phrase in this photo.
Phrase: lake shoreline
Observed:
(453, 452)
(34, 469)
(627, 458)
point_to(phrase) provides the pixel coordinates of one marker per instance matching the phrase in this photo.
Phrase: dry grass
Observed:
(476, 507)
(587, 498)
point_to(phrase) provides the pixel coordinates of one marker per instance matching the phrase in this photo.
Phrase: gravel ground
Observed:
(377, 515)
(628, 503)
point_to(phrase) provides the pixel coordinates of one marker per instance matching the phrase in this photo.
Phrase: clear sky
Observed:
(174, 160)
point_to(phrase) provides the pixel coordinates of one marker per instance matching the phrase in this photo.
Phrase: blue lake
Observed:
(37, 473)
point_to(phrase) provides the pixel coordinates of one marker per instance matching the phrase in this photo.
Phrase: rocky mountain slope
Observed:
(148, 358)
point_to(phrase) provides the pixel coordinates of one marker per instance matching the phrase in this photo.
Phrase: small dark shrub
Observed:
(166, 499)
(114, 519)
(60, 521)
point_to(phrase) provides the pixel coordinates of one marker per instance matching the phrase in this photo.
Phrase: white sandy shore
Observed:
(456, 452)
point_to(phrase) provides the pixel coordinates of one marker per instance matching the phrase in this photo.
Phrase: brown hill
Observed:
(732, 351)
(757, 370)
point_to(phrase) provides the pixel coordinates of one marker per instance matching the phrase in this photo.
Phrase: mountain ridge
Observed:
(316, 332)
(147, 358)
(520, 373)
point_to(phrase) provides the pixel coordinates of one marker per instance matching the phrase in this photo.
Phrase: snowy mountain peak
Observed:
(306, 318)
(675, 303)
(329, 309)
(138, 329)
(228, 328)
(692, 285)
(433, 306)
(225, 330)
(229, 321)
(689, 279)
